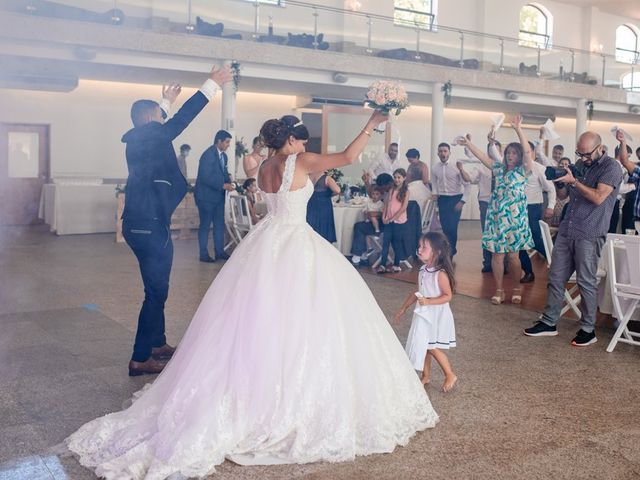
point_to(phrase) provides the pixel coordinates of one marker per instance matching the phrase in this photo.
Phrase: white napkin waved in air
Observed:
(497, 121)
(548, 133)
(627, 137)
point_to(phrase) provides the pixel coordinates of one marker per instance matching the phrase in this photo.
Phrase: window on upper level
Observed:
(627, 44)
(415, 13)
(631, 81)
(536, 26)
(277, 3)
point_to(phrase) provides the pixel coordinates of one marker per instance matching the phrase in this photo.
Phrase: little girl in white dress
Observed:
(432, 328)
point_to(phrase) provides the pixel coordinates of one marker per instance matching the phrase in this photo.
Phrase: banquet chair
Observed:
(625, 295)
(240, 216)
(228, 221)
(427, 215)
(571, 302)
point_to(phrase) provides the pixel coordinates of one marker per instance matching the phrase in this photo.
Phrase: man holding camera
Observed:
(580, 239)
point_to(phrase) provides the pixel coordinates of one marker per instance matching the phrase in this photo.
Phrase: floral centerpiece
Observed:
(387, 96)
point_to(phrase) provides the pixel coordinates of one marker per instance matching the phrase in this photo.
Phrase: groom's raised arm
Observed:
(192, 107)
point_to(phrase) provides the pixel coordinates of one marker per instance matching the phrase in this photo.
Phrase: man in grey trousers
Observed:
(582, 234)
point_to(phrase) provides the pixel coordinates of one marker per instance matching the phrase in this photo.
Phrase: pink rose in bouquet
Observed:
(387, 96)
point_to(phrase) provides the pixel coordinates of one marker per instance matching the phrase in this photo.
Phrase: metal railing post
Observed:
(369, 24)
(501, 69)
(315, 28)
(461, 49)
(417, 55)
(604, 66)
(256, 19)
(538, 73)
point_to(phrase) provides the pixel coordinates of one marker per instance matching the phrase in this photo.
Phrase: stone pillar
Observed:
(581, 117)
(228, 121)
(437, 120)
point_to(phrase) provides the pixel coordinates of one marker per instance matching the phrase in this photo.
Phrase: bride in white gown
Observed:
(288, 359)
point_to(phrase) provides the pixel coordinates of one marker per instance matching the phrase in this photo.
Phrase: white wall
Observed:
(87, 124)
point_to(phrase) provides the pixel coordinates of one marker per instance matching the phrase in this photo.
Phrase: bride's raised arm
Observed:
(314, 162)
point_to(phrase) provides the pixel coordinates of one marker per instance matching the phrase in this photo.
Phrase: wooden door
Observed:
(24, 169)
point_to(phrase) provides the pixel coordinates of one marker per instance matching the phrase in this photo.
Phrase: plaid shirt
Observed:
(635, 179)
(584, 219)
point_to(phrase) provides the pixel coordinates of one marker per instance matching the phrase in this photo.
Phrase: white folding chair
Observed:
(240, 216)
(427, 215)
(625, 296)
(378, 242)
(571, 302)
(228, 220)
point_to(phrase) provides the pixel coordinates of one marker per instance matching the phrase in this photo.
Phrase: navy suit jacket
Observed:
(211, 178)
(155, 185)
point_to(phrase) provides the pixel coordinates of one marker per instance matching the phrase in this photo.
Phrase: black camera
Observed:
(553, 173)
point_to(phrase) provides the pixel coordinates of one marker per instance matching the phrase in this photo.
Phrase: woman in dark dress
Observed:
(320, 208)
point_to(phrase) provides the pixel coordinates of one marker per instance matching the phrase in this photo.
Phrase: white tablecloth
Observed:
(605, 302)
(345, 217)
(72, 209)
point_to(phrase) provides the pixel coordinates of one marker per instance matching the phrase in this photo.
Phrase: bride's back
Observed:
(270, 174)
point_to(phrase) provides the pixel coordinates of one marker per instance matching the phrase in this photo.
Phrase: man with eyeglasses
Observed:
(581, 235)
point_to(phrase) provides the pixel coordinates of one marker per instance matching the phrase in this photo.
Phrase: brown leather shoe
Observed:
(148, 367)
(164, 352)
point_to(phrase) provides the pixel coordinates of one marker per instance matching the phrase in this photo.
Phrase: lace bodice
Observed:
(288, 206)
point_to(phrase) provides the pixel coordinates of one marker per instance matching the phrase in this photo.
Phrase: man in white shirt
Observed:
(418, 191)
(386, 163)
(537, 183)
(413, 157)
(451, 192)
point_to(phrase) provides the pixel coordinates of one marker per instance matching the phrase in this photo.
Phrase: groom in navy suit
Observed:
(211, 185)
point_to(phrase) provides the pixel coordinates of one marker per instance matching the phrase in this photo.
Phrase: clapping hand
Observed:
(171, 92)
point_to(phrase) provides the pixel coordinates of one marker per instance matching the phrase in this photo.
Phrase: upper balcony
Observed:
(316, 48)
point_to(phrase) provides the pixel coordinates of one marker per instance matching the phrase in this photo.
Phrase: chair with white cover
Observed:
(240, 216)
(571, 301)
(625, 295)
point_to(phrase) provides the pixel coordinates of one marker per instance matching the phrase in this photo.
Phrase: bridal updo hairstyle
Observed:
(275, 133)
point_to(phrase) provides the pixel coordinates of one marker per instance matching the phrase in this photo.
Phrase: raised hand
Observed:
(171, 92)
(221, 75)
(516, 121)
(377, 117)
(620, 136)
(491, 136)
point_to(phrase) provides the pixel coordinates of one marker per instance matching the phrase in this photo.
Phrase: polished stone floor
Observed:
(523, 408)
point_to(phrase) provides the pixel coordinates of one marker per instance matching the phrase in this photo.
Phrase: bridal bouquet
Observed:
(387, 96)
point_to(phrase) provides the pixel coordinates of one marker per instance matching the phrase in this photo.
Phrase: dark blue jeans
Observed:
(152, 246)
(360, 232)
(394, 234)
(449, 218)
(211, 213)
(535, 215)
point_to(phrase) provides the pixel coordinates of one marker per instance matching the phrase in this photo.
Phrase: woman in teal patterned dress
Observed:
(506, 230)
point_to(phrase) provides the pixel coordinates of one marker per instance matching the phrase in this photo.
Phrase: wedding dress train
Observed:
(288, 359)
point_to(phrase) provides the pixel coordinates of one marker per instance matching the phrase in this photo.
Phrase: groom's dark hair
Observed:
(140, 109)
